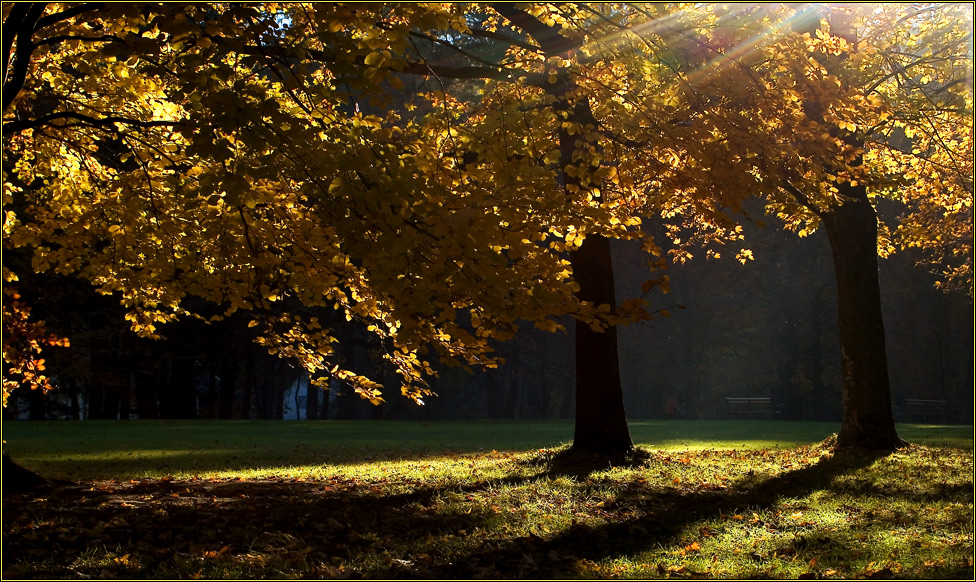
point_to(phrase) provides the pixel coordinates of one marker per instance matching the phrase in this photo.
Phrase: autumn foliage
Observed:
(24, 340)
(250, 156)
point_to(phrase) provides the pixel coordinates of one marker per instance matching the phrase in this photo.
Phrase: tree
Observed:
(601, 424)
(807, 103)
(226, 155)
(840, 38)
(172, 153)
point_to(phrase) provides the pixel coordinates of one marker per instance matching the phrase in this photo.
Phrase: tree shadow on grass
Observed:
(171, 527)
(251, 528)
(274, 528)
(664, 521)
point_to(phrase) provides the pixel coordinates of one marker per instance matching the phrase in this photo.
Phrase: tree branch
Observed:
(57, 39)
(801, 198)
(451, 72)
(492, 35)
(549, 38)
(411, 67)
(11, 127)
(22, 30)
(68, 13)
(23, 21)
(454, 48)
(14, 21)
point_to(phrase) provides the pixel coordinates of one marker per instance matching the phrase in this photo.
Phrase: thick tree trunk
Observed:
(853, 232)
(18, 479)
(601, 422)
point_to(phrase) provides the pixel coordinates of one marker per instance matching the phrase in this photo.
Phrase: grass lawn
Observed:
(717, 499)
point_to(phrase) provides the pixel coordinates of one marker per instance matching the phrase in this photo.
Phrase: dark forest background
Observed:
(764, 329)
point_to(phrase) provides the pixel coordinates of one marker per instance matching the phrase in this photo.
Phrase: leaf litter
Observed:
(781, 513)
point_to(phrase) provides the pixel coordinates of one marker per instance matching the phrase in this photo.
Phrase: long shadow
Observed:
(166, 523)
(170, 523)
(671, 513)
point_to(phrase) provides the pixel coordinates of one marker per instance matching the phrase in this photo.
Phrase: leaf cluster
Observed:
(250, 156)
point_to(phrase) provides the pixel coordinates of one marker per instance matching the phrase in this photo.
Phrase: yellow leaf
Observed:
(373, 59)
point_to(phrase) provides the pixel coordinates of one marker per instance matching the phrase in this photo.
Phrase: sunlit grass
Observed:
(153, 449)
(730, 507)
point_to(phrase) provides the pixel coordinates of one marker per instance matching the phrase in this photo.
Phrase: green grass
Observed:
(138, 449)
(484, 499)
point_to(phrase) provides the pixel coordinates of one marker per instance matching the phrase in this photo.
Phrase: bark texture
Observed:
(601, 421)
(852, 228)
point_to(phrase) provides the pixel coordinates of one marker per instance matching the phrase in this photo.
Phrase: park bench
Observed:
(750, 407)
(925, 410)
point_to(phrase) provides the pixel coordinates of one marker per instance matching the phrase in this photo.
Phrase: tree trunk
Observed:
(601, 422)
(326, 401)
(145, 388)
(853, 232)
(311, 401)
(18, 479)
(248, 383)
(228, 379)
(37, 405)
(211, 408)
(181, 397)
